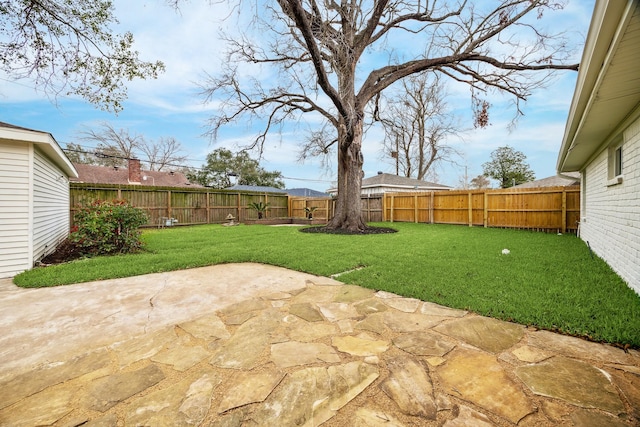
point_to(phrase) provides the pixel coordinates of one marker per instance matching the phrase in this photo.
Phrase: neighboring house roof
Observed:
(390, 182)
(256, 188)
(109, 175)
(44, 140)
(305, 192)
(607, 91)
(569, 179)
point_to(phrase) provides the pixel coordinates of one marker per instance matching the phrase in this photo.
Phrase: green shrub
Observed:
(260, 208)
(105, 227)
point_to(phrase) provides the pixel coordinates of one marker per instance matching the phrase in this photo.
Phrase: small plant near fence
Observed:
(260, 208)
(309, 210)
(107, 227)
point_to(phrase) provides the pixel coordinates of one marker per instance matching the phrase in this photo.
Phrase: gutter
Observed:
(573, 178)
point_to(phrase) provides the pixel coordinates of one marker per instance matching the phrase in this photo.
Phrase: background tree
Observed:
(318, 48)
(416, 123)
(115, 146)
(480, 181)
(508, 167)
(222, 164)
(67, 47)
(165, 152)
(77, 154)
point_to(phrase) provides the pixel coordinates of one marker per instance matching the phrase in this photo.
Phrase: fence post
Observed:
(470, 203)
(384, 207)
(564, 210)
(238, 211)
(415, 207)
(208, 209)
(431, 201)
(485, 209)
(391, 213)
(266, 200)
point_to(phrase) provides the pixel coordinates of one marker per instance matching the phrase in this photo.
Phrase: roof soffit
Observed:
(607, 92)
(43, 140)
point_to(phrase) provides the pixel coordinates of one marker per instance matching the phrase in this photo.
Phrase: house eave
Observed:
(45, 141)
(599, 104)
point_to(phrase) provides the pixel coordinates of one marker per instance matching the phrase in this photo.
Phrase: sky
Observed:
(188, 42)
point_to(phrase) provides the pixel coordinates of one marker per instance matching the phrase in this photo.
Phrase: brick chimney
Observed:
(134, 171)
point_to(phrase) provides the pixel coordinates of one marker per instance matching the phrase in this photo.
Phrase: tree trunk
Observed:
(348, 214)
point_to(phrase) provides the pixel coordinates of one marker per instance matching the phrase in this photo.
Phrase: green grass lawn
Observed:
(548, 280)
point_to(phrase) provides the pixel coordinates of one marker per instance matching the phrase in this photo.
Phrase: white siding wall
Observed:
(611, 219)
(380, 190)
(15, 188)
(50, 206)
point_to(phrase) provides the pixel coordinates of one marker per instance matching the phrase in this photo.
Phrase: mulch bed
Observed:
(65, 252)
(367, 230)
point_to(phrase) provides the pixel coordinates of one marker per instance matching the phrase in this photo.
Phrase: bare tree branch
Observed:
(68, 47)
(163, 153)
(417, 122)
(115, 146)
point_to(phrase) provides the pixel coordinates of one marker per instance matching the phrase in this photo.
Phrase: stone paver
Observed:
(249, 388)
(477, 377)
(106, 392)
(574, 381)
(410, 387)
(314, 352)
(475, 330)
(293, 353)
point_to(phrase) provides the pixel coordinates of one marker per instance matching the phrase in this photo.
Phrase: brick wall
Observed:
(611, 213)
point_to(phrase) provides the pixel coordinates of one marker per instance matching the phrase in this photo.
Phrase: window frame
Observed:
(615, 166)
(617, 161)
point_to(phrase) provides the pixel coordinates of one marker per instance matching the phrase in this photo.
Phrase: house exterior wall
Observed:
(611, 212)
(381, 190)
(50, 205)
(376, 191)
(15, 216)
(371, 191)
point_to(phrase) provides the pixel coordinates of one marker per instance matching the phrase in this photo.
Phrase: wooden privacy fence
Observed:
(185, 206)
(546, 209)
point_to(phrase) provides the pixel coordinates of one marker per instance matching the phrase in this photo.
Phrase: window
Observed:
(614, 169)
(618, 161)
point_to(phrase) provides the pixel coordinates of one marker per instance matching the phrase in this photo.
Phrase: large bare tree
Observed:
(319, 50)
(416, 124)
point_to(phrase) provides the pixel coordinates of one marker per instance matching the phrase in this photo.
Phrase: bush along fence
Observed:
(551, 209)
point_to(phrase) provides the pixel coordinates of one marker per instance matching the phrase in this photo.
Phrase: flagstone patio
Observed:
(247, 344)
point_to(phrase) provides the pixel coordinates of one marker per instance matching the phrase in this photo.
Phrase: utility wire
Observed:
(113, 156)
